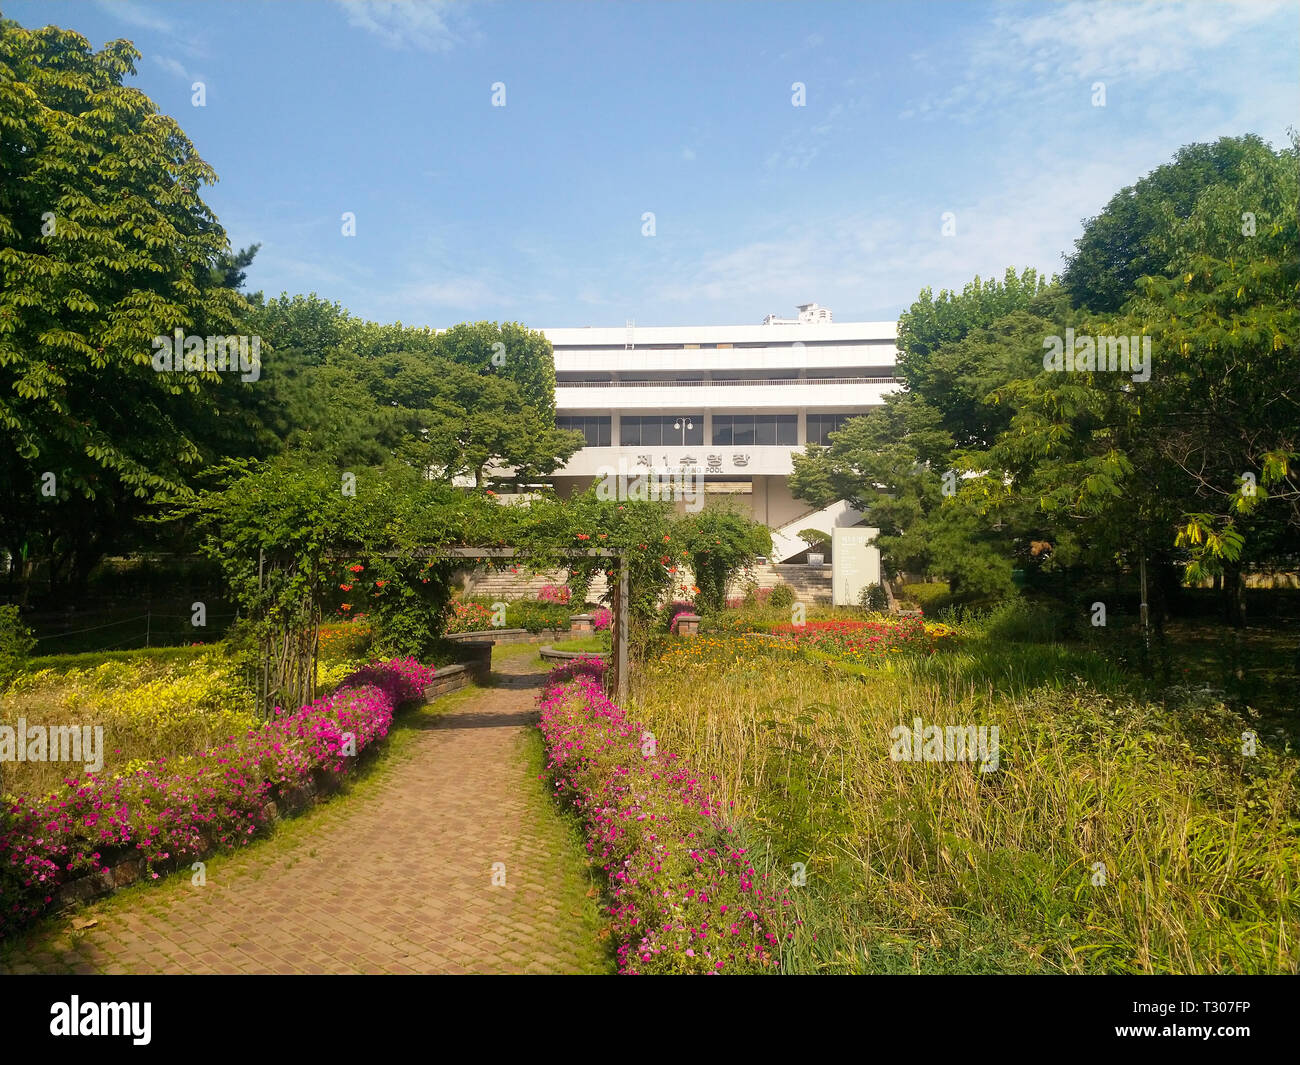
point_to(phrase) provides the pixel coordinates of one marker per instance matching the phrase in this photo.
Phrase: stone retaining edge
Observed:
(550, 652)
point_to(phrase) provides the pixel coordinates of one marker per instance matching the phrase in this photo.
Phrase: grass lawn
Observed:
(598, 642)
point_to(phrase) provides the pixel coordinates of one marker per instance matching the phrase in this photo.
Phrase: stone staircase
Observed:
(786, 544)
(502, 584)
(811, 584)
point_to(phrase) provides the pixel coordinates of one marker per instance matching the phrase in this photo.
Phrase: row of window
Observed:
(688, 429)
(755, 428)
(654, 429)
(594, 428)
(820, 426)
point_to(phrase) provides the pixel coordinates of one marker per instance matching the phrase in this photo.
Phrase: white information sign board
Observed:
(855, 563)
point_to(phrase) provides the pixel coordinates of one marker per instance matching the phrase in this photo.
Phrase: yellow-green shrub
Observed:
(147, 709)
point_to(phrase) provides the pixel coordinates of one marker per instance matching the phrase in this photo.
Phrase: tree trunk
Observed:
(1234, 596)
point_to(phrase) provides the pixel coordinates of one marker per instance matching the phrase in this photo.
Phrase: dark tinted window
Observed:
(595, 428)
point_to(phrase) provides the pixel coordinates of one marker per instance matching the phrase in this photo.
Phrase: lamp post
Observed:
(683, 424)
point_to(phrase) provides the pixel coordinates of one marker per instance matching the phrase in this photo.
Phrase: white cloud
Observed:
(802, 145)
(1054, 52)
(469, 293)
(421, 24)
(135, 15)
(875, 262)
(176, 67)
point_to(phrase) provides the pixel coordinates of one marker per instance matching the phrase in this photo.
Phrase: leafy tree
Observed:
(449, 418)
(1226, 390)
(104, 244)
(1118, 246)
(508, 350)
(893, 463)
(1201, 456)
(930, 322)
(361, 393)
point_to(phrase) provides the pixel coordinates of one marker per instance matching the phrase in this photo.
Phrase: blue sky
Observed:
(533, 211)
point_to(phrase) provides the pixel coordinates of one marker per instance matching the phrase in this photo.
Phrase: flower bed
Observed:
(170, 812)
(467, 616)
(860, 641)
(685, 897)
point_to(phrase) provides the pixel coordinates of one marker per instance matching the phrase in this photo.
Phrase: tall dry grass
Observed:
(1118, 835)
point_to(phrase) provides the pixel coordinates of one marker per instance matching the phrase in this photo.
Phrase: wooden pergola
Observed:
(622, 590)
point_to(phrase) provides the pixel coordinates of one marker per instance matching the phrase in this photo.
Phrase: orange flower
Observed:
(357, 568)
(345, 587)
(380, 584)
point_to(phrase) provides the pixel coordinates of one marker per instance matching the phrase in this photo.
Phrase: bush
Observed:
(476, 615)
(345, 641)
(16, 643)
(534, 616)
(720, 542)
(782, 597)
(1025, 621)
(467, 616)
(874, 598)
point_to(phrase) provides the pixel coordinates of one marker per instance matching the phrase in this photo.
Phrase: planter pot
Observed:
(816, 558)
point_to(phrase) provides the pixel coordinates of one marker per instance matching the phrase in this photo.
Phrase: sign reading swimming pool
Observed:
(855, 563)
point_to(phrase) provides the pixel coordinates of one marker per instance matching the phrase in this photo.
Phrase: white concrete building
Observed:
(732, 403)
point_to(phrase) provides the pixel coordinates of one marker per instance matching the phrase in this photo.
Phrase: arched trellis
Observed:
(619, 677)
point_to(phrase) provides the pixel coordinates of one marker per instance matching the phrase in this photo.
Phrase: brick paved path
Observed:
(394, 877)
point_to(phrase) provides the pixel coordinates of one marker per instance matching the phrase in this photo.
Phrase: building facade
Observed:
(725, 405)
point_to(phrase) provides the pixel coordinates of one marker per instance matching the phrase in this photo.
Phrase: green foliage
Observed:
(474, 396)
(991, 462)
(1118, 464)
(1024, 621)
(1121, 244)
(16, 643)
(782, 597)
(292, 544)
(873, 598)
(719, 542)
(816, 539)
(931, 323)
(529, 614)
(534, 616)
(105, 244)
